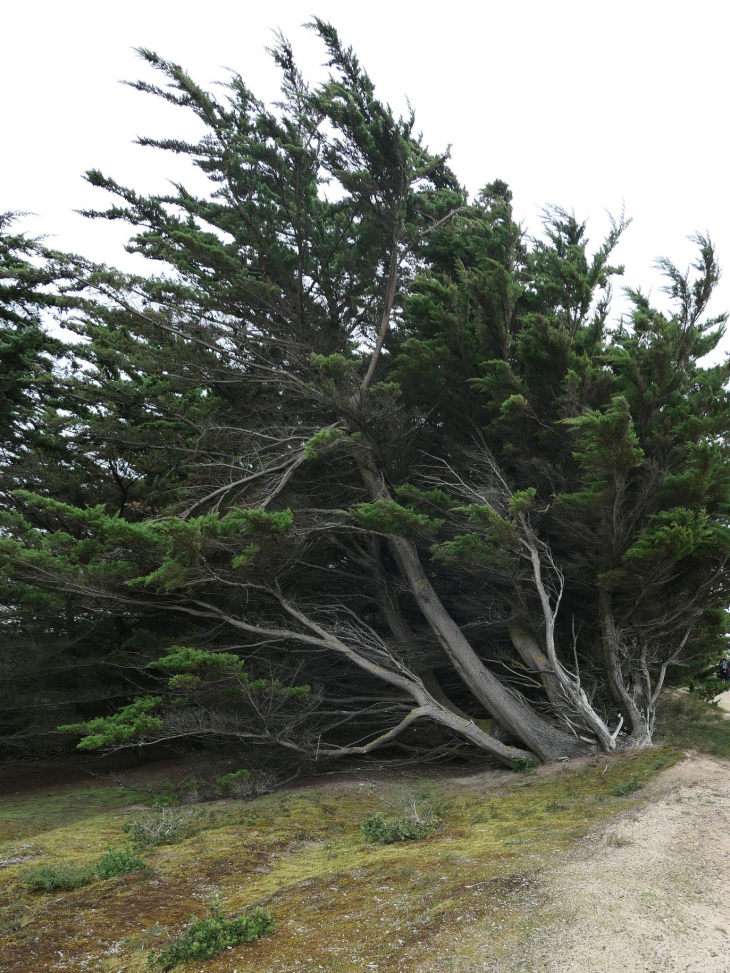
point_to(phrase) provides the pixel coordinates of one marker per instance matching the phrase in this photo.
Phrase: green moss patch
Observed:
(23, 816)
(339, 902)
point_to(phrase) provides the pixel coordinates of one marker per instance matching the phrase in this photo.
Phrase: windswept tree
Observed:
(382, 463)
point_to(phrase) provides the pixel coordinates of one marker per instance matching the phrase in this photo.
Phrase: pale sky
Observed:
(588, 105)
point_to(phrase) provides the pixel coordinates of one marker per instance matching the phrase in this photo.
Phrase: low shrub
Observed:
(524, 765)
(246, 784)
(119, 863)
(416, 818)
(205, 938)
(631, 785)
(232, 781)
(241, 785)
(168, 797)
(51, 878)
(384, 831)
(165, 826)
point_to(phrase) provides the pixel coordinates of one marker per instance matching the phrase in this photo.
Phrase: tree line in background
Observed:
(357, 464)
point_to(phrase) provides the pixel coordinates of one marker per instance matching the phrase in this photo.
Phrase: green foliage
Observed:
(51, 878)
(514, 407)
(388, 831)
(675, 534)
(334, 366)
(631, 785)
(416, 818)
(245, 558)
(522, 500)
(471, 548)
(187, 659)
(415, 497)
(263, 524)
(389, 517)
(229, 781)
(493, 544)
(205, 938)
(119, 862)
(131, 722)
(523, 765)
(323, 441)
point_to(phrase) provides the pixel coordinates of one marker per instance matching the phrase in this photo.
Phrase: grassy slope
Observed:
(687, 721)
(339, 903)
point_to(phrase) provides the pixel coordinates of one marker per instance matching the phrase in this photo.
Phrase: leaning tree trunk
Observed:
(639, 724)
(541, 737)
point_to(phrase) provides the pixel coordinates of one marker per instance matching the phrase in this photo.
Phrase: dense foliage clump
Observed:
(386, 831)
(205, 938)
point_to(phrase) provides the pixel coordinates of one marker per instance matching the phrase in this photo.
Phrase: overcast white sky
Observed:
(589, 105)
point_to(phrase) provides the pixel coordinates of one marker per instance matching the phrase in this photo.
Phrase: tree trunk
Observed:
(541, 737)
(537, 662)
(639, 725)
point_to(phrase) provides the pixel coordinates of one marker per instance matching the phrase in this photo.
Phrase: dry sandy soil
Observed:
(654, 896)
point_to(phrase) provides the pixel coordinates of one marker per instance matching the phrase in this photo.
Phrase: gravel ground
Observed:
(654, 895)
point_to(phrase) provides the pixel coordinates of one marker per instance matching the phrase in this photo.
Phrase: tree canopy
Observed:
(358, 463)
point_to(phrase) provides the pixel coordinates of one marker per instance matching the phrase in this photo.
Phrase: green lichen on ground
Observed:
(339, 902)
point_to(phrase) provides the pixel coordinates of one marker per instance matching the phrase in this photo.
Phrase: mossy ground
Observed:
(686, 720)
(22, 817)
(340, 904)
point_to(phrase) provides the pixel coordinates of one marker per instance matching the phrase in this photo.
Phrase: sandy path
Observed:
(654, 895)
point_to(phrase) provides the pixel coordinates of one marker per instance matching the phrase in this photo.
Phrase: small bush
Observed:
(416, 818)
(233, 782)
(163, 827)
(167, 798)
(524, 765)
(119, 863)
(205, 938)
(707, 686)
(239, 784)
(189, 792)
(629, 787)
(245, 785)
(386, 831)
(51, 878)
(615, 840)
